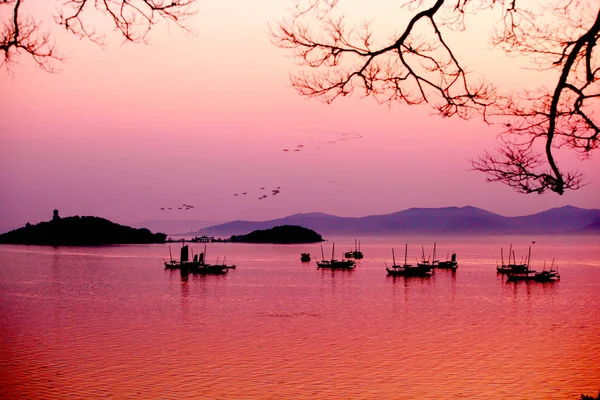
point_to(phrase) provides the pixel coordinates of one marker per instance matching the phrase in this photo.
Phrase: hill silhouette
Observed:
(440, 221)
(285, 234)
(79, 231)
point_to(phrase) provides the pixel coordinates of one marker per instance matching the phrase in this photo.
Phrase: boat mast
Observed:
(170, 255)
(529, 258)
(333, 250)
(393, 258)
(405, 253)
(433, 253)
(502, 256)
(322, 254)
(422, 253)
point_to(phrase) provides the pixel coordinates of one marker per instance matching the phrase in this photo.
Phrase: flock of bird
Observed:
(334, 137)
(298, 148)
(274, 192)
(184, 207)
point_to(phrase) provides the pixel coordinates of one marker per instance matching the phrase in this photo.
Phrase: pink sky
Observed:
(121, 132)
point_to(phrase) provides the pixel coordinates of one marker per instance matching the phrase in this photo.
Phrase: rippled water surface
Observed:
(111, 322)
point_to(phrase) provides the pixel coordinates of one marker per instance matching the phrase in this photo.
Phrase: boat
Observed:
(426, 263)
(550, 275)
(510, 268)
(305, 257)
(520, 273)
(448, 264)
(197, 265)
(184, 259)
(356, 253)
(333, 263)
(212, 268)
(407, 269)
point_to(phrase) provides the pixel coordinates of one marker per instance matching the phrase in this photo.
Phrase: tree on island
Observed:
(283, 234)
(80, 231)
(419, 65)
(22, 33)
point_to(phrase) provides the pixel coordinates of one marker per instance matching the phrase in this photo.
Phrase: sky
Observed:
(195, 118)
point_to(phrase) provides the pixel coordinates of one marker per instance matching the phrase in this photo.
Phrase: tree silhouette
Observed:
(418, 65)
(21, 33)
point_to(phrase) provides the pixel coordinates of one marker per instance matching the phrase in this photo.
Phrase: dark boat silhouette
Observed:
(333, 263)
(356, 253)
(305, 257)
(511, 267)
(448, 264)
(550, 275)
(408, 269)
(197, 265)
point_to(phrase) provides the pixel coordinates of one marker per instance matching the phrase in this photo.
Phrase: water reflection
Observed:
(92, 323)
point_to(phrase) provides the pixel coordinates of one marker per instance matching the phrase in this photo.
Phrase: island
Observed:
(284, 234)
(80, 231)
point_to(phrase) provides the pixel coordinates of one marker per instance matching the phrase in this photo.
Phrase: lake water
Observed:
(111, 322)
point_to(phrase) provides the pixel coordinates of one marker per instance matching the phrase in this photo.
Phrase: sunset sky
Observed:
(196, 118)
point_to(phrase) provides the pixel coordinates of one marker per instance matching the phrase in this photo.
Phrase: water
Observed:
(110, 322)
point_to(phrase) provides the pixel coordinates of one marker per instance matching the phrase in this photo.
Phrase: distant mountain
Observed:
(447, 220)
(79, 231)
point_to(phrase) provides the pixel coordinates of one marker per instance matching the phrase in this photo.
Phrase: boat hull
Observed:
(409, 271)
(446, 265)
(348, 264)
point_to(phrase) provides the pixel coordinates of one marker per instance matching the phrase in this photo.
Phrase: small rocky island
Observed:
(284, 234)
(80, 231)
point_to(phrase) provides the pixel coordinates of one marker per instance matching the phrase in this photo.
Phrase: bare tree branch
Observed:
(419, 66)
(132, 19)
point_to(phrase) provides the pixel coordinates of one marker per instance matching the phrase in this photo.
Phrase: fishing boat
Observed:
(510, 267)
(550, 275)
(522, 273)
(448, 264)
(197, 265)
(427, 262)
(305, 257)
(216, 268)
(333, 263)
(407, 269)
(545, 275)
(184, 259)
(356, 253)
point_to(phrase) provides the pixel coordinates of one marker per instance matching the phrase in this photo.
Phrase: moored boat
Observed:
(527, 274)
(197, 265)
(511, 267)
(407, 269)
(333, 263)
(448, 264)
(184, 259)
(356, 253)
(305, 257)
